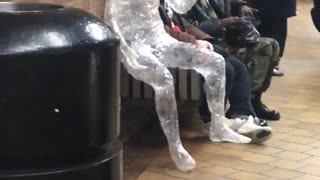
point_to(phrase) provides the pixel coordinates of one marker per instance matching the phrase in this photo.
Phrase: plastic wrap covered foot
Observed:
(149, 51)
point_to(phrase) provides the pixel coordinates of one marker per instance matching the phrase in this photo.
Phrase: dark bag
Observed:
(242, 33)
(315, 14)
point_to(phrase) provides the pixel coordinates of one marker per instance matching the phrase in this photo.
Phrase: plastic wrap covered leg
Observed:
(211, 66)
(147, 68)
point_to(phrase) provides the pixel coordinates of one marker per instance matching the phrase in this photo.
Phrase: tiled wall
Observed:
(94, 6)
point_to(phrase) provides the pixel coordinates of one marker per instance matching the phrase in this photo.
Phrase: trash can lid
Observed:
(46, 28)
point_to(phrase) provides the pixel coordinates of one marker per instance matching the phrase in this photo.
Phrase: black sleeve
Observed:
(237, 3)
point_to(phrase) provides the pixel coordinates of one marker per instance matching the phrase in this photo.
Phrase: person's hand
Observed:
(229, 20)
(204, 44)
(247, 11)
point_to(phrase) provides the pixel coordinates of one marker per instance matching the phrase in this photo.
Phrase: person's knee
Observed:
(237, 64)
(268, 47)
(264, 47)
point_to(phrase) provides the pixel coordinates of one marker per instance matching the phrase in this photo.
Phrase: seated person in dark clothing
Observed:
(260, 58)
(237, 78)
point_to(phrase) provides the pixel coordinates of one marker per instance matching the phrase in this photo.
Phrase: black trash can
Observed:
(59, 95)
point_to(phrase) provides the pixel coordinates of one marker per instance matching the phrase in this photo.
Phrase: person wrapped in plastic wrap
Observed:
(149, 51)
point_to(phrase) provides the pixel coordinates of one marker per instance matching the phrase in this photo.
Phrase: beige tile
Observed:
(206, 176)
(253, 167)
(311, 169)
(179, 174)
(282, 173)
(226, 161)
(155, 176)
(203, 156)
(265, 150)
(314, 152)
(247, 176)
(307, 177)
(298, 139)
(315, 144)
(314, 160)
(258, 158)
(287, 164)
(218, 169)
(302, 132)
(289, 146)
(291, 155)
(280, 136)
(234, 153)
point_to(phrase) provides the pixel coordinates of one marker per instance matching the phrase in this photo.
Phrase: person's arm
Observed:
(235, 4)
(180, 36)
(192, 30)
(188, 38)
(242, 8)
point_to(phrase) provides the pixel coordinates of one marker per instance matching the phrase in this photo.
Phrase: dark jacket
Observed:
(206, 14)
(226, 8)
(278, 8)
(188, 33)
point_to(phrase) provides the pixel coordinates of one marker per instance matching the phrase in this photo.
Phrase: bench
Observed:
(187, 85)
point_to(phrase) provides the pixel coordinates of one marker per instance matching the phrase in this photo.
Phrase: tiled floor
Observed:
(292, 153)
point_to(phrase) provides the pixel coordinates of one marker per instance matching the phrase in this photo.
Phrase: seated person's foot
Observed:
(245, 125)
(277, 72)
(206, 119)
(257, 121)
(263, 112)
(256, 133)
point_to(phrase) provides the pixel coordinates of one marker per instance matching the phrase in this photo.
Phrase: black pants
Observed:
(237, 87)
(276, 28)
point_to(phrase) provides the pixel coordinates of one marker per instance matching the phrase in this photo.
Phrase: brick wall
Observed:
(94, 6)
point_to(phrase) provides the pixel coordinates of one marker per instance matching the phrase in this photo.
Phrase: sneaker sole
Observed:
(259, 136)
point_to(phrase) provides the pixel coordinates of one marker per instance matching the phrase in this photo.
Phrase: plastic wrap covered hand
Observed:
(149, 51)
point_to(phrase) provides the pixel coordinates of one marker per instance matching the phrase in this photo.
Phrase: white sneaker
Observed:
(245, 127)
(258, 134)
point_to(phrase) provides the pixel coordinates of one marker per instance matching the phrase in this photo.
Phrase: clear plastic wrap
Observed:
(149, 51)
